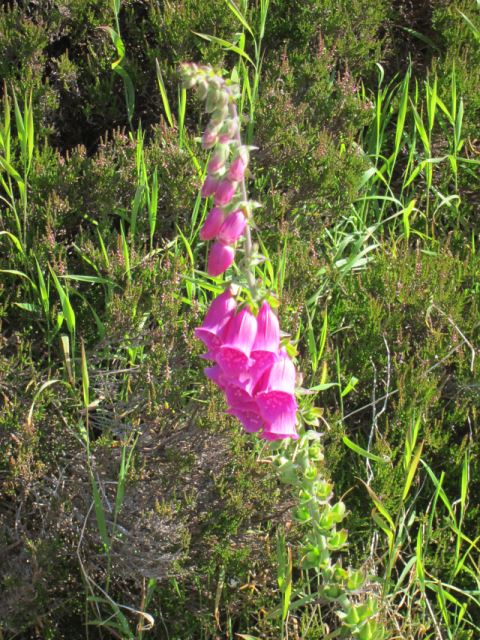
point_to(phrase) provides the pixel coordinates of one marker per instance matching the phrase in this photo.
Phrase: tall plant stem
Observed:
(248, 252)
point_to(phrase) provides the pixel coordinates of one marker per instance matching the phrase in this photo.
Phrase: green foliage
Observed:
(126, 488)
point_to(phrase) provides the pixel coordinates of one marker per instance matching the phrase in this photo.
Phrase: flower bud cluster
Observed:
(226, 222)
(252, 369)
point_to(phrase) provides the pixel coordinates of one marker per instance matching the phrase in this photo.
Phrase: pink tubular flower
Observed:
(267, 340)
(220, 258)
(254, 373)
(274, 395)
(234, 354)
(283, 426)
(237, 169)
(212, 224)
(238, 398)
(218, 316)
(224, 192)
(232, 228)
(280, 377)
(209, 186)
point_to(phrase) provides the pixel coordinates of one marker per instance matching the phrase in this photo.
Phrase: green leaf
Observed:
(67, 308)
(163, 94)
(85, 378)
(14, 272)
(100, 513)
(38, 393)
(324, 386)
(352, 383)
(129, 90)
(13, 239)
(10, 170)
(406, 217)
(43, 290)
(28, 306)
(227, 45)
(402, 112)
(92, 279)
(236, 12)
(411, 471)
(363, 452)
(119, 45)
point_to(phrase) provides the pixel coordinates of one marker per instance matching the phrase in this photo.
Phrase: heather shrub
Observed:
(130, 496)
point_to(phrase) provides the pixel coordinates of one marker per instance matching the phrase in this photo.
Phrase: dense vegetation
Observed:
(126, 491)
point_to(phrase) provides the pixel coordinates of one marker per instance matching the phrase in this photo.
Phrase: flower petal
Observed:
(268, 332)
(280, 377)
(238, 398)
(241, 331)
(280, 414)
(234, 362)
(209, 186)
(218, 316)
(215, 375)
(275, 404)
(250, 419)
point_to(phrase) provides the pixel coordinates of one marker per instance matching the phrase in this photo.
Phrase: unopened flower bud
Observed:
(232, 228)
(221, 257)
(228, 130)
(209, 186)
(209, 139)
(222, 99)
(188, 82)
(212, 98)
(212, 225)
(217, 161)
(237, 169)
(216, 82)
(202, 89)
(219, 115)
(224, 192)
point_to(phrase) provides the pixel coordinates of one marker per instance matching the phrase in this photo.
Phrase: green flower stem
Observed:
(318, 517)
(248, 251)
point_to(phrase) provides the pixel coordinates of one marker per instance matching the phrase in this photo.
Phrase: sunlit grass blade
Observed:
(226, 45)
(163, 94)
(238, 14)
(182, 106)
(67, 309)
(411, 471)
(361, 451)
(85, 377)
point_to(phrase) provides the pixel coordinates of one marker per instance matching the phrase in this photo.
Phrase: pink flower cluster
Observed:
(223, 224)
(226, 221)
(252, 369)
